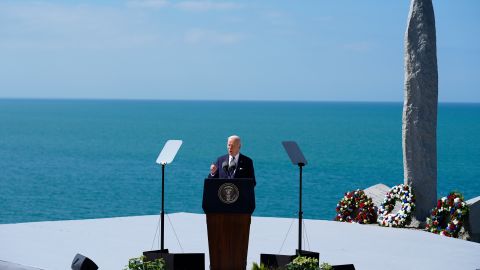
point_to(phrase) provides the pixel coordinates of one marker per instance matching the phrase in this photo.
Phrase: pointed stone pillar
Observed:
(419, 121)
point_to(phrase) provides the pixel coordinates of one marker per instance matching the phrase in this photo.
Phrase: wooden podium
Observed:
(228, 204)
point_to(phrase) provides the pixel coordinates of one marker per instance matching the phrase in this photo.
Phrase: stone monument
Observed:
(419, 125)
(419, 120)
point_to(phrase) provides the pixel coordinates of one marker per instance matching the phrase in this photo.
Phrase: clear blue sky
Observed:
(237, 50)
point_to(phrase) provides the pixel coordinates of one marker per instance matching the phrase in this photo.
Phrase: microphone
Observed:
(231, 166)
(225, 167)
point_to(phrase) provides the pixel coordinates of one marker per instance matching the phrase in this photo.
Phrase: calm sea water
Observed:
(77, 159)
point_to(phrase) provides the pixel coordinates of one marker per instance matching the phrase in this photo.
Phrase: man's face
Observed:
(233, 147)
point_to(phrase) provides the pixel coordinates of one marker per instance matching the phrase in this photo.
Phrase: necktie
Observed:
(231, 168)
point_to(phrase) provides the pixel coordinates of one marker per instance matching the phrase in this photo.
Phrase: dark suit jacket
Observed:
(244, 168)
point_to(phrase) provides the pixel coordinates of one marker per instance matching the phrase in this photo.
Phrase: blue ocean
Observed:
(79, 159)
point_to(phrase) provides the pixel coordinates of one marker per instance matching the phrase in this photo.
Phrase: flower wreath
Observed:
(448, 217)
(356, 207)
(404, 194)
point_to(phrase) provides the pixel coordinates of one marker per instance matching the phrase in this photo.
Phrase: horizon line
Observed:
(221, 100)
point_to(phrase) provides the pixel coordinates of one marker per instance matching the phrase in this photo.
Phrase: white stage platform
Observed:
(111, 242)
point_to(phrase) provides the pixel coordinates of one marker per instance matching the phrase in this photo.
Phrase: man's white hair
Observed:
(236, 138)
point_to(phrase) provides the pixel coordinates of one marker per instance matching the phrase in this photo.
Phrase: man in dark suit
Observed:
(234, 164)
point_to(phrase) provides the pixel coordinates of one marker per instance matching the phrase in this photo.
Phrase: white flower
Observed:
(456, 200)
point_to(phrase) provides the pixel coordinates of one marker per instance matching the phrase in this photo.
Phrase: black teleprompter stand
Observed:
(173, 261)
(274, 261)
(277, 260)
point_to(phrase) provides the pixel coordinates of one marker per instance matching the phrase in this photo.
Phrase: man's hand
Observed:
(213, 169)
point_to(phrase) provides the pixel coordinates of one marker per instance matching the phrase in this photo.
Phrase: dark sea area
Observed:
(81, 159)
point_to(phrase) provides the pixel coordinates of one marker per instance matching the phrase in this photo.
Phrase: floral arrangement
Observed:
(303, 263)
(448, 217)
(140, 264)
(356, 207)
(259, 267)
(299, 263)
(403, 194)
(326, 266)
